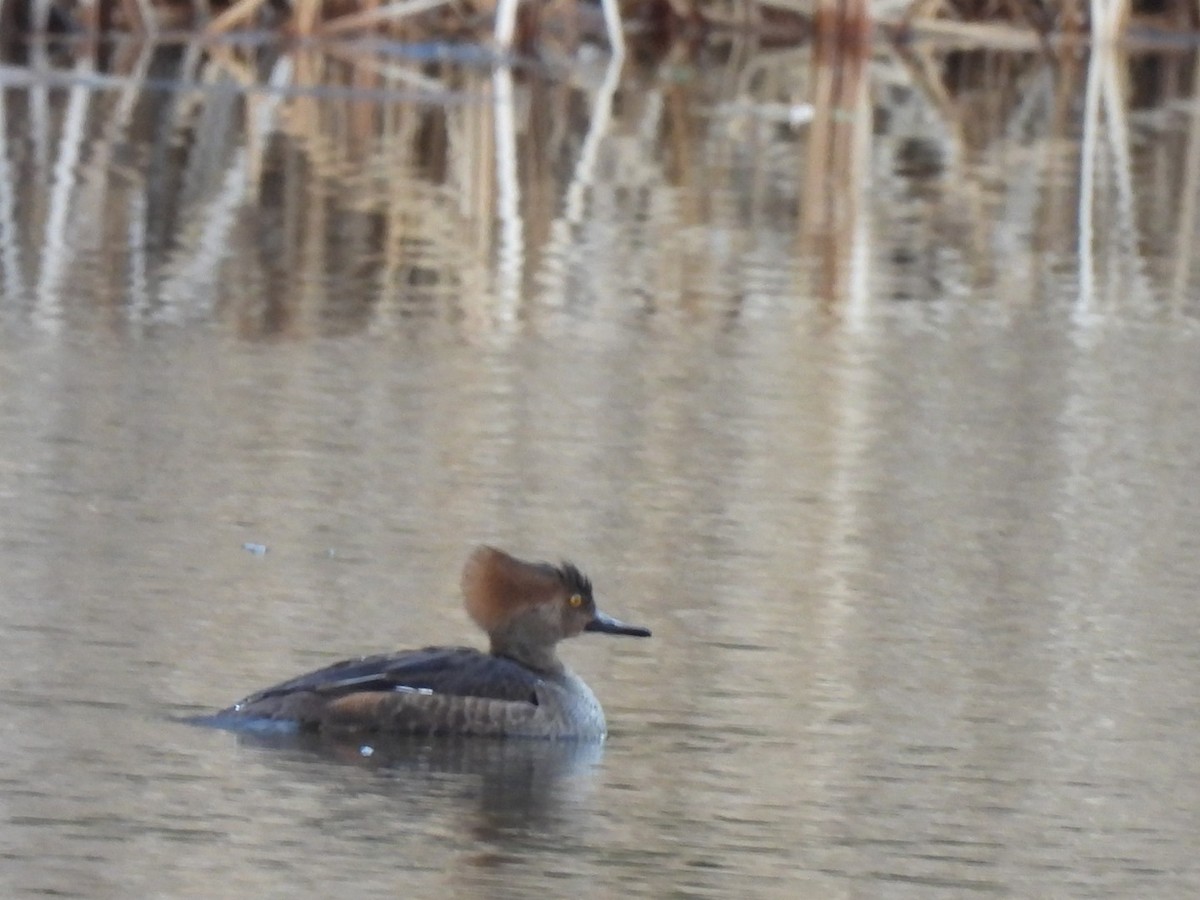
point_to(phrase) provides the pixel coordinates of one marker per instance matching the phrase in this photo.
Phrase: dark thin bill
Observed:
(608, 625)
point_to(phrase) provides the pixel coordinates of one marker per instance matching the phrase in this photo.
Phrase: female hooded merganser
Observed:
(519, 688)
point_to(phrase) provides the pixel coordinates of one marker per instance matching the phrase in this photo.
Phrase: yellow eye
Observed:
(576, 600)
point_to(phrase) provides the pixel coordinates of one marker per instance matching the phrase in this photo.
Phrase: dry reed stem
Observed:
(805, 8)
(224, 59)
(12, 282)
(923, 69)
(379, 15)
(139, 14)
(583, 177)
(301, 119)
(233, 16)
(510, 226)
(1110, 18)
(1087, 192)
(60, 225)
(389, 71)
(921, 10)
(304, 16)
(829, 209)
(994, 35)
(1185, 228)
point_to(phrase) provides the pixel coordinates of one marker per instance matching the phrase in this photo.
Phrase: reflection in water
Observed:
(517, 782)
(470, 198)
(885, 418)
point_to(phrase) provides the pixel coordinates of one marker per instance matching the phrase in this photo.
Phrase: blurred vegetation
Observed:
(993, 22)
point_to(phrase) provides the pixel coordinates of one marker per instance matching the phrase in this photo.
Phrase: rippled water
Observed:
(895, 452)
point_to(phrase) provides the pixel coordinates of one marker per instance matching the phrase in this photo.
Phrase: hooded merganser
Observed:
(519, 688)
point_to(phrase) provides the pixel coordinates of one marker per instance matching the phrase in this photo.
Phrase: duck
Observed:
(517, 688)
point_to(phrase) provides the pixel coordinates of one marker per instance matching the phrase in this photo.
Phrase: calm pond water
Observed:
(883, 413)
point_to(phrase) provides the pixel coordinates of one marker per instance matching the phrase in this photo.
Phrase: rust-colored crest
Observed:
(496, 585)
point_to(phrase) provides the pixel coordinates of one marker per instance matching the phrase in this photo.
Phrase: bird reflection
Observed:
(520, 782)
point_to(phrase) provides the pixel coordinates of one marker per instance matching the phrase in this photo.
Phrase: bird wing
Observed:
(458, 671)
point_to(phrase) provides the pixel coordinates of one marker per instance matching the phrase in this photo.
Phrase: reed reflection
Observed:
(333, 190)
